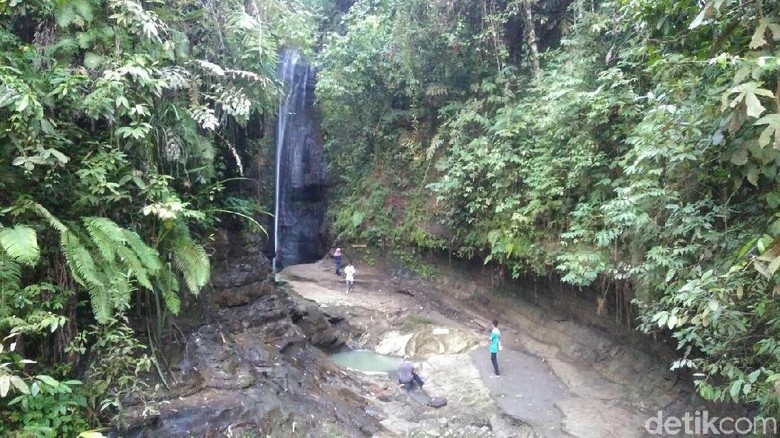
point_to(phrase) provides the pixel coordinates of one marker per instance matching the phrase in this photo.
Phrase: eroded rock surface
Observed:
(248, 366)
(559, 378)
(247, 363)
(402, 323)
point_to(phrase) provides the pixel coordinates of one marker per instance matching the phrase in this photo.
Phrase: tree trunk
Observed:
(530, 32)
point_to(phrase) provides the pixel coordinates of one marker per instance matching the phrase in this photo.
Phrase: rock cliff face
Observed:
(248, 365)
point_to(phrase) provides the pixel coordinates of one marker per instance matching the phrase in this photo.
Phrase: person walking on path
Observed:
(337, 258)
(495, 345)
(407, 374)
(349, 271)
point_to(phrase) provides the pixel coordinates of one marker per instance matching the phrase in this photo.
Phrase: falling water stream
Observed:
(287, 76)
(299, 198)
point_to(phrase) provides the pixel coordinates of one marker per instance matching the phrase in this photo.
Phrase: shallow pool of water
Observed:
(366, 360)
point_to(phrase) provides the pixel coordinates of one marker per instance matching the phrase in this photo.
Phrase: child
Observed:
(349, 271)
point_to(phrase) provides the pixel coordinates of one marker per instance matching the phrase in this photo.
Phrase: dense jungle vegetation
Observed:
(119, 128)
(631, 145)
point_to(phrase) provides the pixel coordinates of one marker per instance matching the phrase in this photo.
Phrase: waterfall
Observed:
(299, 198)
(287, 69)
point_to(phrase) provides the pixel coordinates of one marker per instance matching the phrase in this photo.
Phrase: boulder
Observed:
(437, 402)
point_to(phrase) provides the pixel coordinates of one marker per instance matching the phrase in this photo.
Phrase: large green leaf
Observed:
(748, 93)
(772, 129)
(20, 243)
(357, 218)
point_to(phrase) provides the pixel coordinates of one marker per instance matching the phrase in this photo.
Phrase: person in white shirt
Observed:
(349, 272)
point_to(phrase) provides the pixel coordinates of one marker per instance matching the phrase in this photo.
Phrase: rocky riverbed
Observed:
(548, 386)
(250, 359)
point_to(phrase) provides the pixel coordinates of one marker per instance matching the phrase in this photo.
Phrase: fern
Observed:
(191, 260)
(79, 260)
(20, 243)
(10, 277)
(78, 12)
(10, 274)
(106, 226)
(105, 244)
(435, 90)
(149, 257)
(65, 16)
(102, 307)
(50, 218)
(169, 287)
(171, 147)
(137, 268)
(64, 46)
(92, 61)
(108, 283)
(84, 9)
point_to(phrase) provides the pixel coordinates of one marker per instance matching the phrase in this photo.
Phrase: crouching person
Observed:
(407, 375)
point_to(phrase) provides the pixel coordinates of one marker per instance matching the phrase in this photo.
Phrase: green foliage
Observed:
(20, 243)
(105, 259)
(414, 262)
(191, 260)
(119, 122)
(644, 153)
(42, 406)
(117, 362)
(51, 409)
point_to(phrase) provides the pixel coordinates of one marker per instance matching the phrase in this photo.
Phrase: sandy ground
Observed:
(556, 398)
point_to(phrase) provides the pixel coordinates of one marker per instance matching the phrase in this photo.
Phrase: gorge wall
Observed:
(248, 360)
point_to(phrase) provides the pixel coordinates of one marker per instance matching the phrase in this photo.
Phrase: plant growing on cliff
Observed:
(117, 121)
(636, 155)
(37, 405)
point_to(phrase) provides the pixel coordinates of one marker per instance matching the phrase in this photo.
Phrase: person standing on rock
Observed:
(337, 259)
(349, 271)
(495, 345)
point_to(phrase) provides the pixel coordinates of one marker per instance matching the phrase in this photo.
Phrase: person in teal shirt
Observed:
(495, 345)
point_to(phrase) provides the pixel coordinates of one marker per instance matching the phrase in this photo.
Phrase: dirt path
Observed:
(555, 397)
